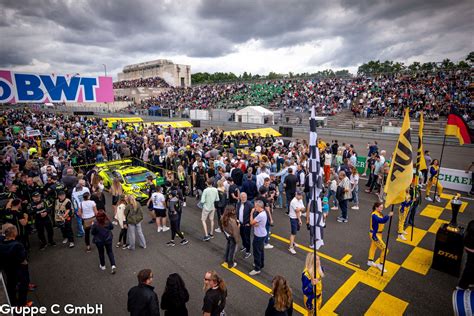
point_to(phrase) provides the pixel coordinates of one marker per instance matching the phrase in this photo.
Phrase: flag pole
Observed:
(388, 238)
(439, 169)
(315, 204)
(414, 210)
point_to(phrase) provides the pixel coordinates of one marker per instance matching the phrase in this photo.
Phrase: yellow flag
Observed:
(401, 169)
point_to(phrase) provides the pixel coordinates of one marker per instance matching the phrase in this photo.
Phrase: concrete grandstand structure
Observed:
(175, 75)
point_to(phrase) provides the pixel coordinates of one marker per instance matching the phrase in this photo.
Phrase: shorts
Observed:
(207, 214)
(160, 212)
(295, 225)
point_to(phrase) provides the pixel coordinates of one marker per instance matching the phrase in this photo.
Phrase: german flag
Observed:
(456, 126)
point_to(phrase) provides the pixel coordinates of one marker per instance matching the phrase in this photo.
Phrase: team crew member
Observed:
(63, 216)
(41, 210)
(296, 208)
(402, 215)
(159, 207)
(258, 221)
(14, 215)
(216, 294)
(377, 223)
(433, 180)
(244, 207)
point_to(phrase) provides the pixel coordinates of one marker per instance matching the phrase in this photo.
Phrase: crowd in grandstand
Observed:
(153, 82)
(382, 95)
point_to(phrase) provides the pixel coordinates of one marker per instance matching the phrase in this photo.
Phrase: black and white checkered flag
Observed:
(315, 181)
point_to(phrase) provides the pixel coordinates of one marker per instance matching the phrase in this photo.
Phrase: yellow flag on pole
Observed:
(420, 156)
(400, 175)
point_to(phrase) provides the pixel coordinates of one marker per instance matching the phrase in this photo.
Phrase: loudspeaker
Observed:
(83, 113)
(286, 131)
(448, 250)
(196, 123)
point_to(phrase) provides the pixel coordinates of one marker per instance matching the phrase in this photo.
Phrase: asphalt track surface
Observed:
(72, 276)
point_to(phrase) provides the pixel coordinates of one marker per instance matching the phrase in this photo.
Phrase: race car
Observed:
(132, 178)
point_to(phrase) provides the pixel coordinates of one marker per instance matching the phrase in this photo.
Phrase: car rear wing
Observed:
(114, 163)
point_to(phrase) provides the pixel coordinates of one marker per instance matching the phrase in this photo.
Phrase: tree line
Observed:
(371, 67)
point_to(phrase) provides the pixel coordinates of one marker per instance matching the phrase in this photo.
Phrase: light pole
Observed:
(105, 69)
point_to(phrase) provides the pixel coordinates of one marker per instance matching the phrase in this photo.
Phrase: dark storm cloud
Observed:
(68, 34)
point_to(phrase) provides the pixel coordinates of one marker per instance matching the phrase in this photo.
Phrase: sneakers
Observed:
(183, 242)
(342, 220)
(247, 255)
(159, 229)
(206, 238)
(292, 250)
(242, 249)
(165, 228)
(114, 222)
(334, 208)
(268, 246)
(355, 207)
(364, 175)
(253, 272)
(233, 266)
(113, 270)
(438, 199)
(380, 267)
(43, 247)
(211, 236)
(429, 199)
(370, 263)
(71, 245)
(402, 237)
(118, 245)
(88, 249)
(170, 243)
(125, 247)
(65, 241)
(404, 232)
(101, 267)
(218, 230)
(311, 246)
(53, 244)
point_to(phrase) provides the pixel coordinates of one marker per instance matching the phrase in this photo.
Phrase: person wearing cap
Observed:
(233, 191)
(41, 210)
(63, 216)
(296, 208)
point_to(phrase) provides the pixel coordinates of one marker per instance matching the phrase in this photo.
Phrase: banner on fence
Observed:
(20, 87)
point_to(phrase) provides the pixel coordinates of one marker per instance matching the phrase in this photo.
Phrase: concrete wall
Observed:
(139, 94)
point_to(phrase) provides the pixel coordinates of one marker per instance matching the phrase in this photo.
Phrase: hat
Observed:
(36, 193)
(61, 192)
(325, 199)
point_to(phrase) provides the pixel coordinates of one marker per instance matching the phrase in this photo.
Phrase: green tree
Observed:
(470, 57)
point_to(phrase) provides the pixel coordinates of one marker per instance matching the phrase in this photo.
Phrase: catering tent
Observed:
(254, 114)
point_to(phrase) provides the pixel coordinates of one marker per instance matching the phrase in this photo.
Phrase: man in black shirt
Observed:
(142, 299)
(14, 215)
(290, 188)
(234, 191)
(14, 264)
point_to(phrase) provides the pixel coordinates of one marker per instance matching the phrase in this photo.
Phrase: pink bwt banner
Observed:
(19, 87)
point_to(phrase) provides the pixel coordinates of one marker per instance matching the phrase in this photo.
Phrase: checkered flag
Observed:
(315, 182)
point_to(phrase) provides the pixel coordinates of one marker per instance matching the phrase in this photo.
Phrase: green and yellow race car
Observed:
(132, 178)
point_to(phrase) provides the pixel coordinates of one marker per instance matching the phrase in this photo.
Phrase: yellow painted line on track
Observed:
(337, 298)
(346, 258)
(260, 285)
(322, 255)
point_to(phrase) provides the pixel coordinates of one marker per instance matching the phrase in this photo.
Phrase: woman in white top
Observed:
(158, 201)
(120, 218)
(355, 187)
(87, 211)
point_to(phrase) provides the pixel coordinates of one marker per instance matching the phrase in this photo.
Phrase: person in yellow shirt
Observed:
(402, 215)
(433, 180)
(309, 280)
(377, 224)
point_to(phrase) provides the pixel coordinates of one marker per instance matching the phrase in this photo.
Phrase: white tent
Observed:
(254, 114)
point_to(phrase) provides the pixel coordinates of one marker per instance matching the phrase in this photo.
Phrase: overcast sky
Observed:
(236, 35)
